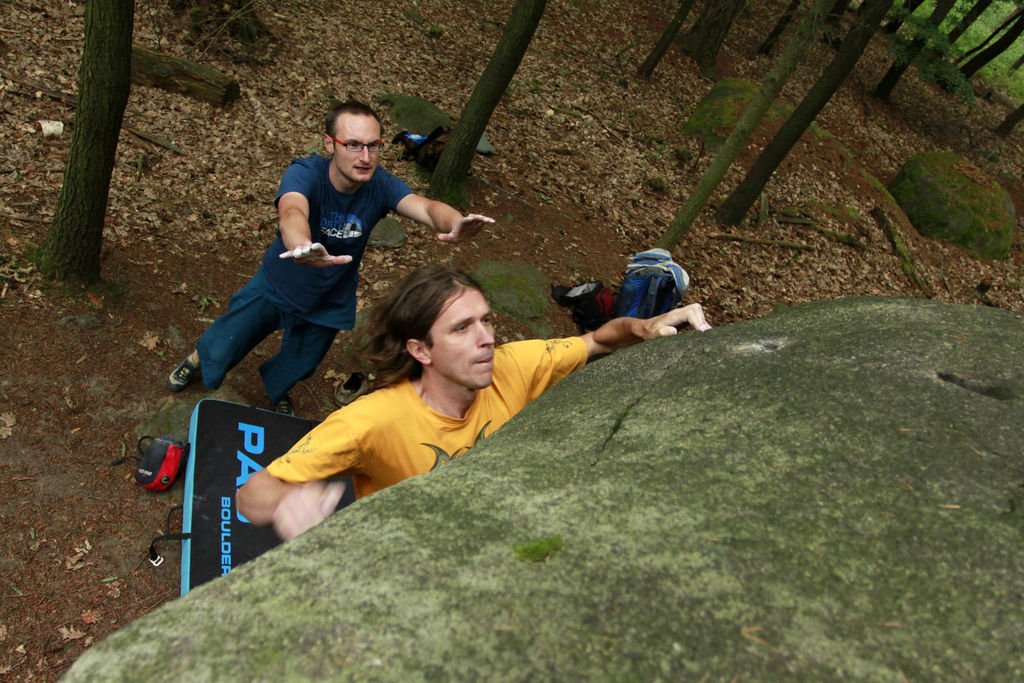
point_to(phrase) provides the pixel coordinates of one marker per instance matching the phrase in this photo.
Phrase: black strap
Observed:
(155, 558)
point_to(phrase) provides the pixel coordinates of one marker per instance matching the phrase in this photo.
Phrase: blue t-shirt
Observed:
(342, 223)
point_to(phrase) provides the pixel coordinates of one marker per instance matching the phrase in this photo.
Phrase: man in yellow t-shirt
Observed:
(446, 386)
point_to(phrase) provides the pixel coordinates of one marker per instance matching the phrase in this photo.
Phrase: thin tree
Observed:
(980, 46)
(75, 239)
(736, 204)
(1013, 31)
(967, 20)
(667, 36)
(907, 56)
(448, 182)
(746, 124)
(773, 37)
(1012, 119)
(900, 15)
(704, 39)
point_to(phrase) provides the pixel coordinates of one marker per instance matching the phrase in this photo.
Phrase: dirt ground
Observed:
(579, 141)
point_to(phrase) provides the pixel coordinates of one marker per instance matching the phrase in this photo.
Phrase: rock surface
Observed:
(835, 490)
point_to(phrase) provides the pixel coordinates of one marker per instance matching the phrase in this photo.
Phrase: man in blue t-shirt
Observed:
(307, 282)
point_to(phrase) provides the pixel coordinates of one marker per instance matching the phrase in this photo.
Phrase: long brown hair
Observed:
(408, 311)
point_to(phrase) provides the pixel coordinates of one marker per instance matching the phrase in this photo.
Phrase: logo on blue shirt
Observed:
(341, 226)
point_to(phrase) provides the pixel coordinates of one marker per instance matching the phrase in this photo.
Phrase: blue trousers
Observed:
(250, 319)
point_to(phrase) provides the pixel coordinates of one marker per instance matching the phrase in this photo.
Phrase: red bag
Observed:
(160, 462)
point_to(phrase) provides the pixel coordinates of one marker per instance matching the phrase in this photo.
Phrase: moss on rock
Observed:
(832, 492)
(954, 201)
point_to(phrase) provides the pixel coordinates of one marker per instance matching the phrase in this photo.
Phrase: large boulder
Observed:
(833, 491)
(952, 200)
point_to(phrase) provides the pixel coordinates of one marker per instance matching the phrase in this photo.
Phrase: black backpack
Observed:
(590, 302)
(425, 150)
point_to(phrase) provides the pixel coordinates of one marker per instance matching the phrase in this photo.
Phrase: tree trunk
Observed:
(995, 49)
(885, 86)
(448, 180)
(833, 21)
(703, 41)
(901, 15)
(73, 243)
(968, 19)
(835, 14)
(999, 29)
(748, 121)
(170, 73)
(667, 36)
(780, 26)
(1013, 118)
(736, 204)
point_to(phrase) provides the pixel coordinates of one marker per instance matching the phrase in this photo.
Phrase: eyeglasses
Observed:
(356, 147)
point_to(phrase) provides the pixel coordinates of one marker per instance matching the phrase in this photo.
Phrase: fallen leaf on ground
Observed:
(70, 633)
(7, 422)
(74, 562)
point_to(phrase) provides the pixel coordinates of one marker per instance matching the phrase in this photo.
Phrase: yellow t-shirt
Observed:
(391, 434)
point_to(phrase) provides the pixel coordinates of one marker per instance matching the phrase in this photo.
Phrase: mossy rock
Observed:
(518, 290)
(954, 201)
(716, 115)
(388, 233)
(421, 116)
(414, 114)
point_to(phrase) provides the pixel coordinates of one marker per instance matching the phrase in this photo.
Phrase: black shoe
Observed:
(284, 406)
(183, 375)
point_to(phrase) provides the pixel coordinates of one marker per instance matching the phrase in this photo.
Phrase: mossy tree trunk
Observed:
(448, 180)
(73, 243)
(173, 74)
(703, 41)
(667, 36)
(735, 206)
(748, 121)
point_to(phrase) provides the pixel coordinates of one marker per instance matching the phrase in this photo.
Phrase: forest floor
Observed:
(579, 140)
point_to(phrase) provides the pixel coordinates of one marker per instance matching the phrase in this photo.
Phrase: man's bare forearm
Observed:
(621, 332)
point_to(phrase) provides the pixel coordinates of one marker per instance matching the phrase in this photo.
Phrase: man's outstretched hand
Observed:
(306, 506)
(468, 226)
(315, 254)
(669, 323)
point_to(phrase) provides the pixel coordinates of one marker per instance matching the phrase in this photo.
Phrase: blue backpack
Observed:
(654, 285)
